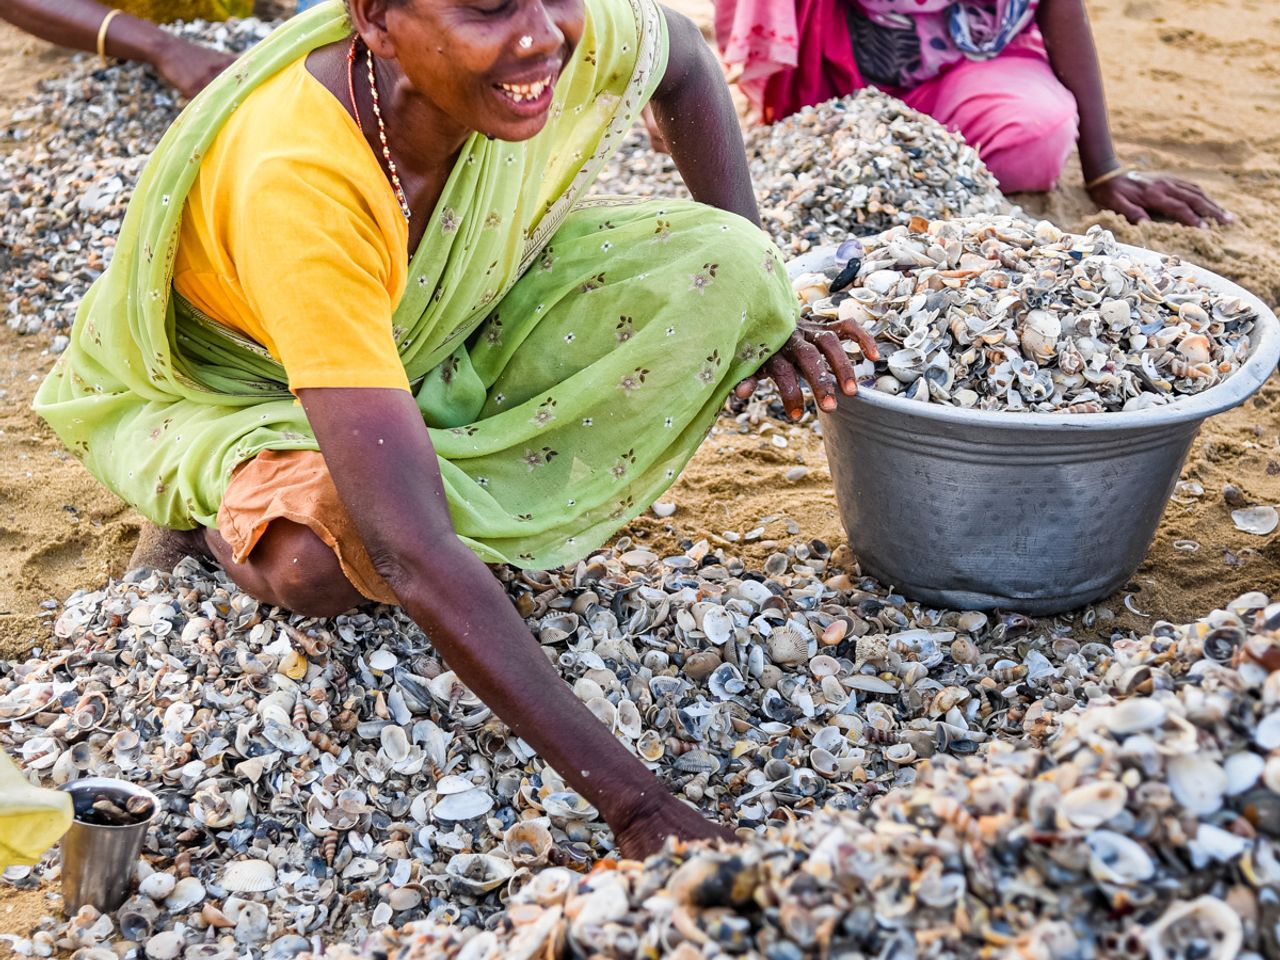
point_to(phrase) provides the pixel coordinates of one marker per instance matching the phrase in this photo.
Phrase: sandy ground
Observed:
(1190, 83)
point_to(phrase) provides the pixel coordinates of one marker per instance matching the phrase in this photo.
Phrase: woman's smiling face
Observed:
(486, 65)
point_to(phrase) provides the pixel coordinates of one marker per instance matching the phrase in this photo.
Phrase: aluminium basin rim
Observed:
(1232, 392)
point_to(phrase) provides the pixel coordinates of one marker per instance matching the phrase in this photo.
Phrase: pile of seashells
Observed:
(1143, 823)
(321, 780)
(69, 161)
(860, 165)
(996, 314)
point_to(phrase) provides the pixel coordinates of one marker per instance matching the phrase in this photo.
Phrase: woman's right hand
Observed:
(189, 66)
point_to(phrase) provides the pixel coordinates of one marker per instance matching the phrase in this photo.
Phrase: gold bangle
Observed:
(102, 33)
(1119, 171)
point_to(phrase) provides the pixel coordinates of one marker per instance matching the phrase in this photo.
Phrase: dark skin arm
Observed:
(693, 111)
(1074, 58)
(375, 440)
(75, 23)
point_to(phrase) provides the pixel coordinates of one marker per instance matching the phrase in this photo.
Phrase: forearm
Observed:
(386, 472)
(75, 24)
(695, 112)
(1074, 58)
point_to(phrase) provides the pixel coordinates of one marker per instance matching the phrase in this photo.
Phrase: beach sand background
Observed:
(1192, 87)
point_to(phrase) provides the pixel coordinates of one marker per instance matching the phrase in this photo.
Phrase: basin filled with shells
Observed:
(1036, 394)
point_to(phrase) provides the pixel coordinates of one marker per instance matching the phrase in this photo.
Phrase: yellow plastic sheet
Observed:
(165, 11)
(31, 818)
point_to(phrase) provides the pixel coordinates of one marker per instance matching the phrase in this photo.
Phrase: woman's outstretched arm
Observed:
(75, 24)
(379, 454)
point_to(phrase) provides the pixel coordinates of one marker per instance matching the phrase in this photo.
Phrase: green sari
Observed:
(568, 354)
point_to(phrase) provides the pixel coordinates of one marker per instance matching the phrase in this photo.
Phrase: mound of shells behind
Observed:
(73, 155)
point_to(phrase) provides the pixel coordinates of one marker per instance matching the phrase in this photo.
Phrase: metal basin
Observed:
(1035, 512)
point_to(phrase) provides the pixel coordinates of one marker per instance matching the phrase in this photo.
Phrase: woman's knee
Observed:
(1032, 152)
(301, 572)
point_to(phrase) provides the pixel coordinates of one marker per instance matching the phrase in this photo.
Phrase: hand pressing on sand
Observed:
(1138, 197)
(815, 354)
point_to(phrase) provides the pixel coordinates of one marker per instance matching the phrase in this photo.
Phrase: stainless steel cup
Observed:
(98, 859)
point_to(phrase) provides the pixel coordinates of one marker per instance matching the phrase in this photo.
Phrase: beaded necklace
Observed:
(377, 112)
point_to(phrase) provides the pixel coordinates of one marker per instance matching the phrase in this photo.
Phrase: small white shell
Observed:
(1093, 804)
(1114, 858)
(1198, 783)
(164, 945)
(248, 876)
(1136, 715)
(187, 892)
(467, 805)
(1259, 521)
(395, 743)
(157, 886)
(1243, 770)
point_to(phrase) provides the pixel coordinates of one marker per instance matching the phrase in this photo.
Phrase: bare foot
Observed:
(162, 549)
(646, 832)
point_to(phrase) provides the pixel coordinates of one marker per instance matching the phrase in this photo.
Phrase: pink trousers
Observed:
(1012, 109)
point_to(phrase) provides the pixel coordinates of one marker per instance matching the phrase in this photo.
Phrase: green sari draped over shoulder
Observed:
(568, 353)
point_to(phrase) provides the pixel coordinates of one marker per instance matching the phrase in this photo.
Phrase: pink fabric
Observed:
(792, 54)
(1012, 109)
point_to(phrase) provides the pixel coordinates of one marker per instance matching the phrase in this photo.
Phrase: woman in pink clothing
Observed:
(1019, 79)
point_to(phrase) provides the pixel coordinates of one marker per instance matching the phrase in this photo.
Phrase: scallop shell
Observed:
(787, 646)
(248, 876)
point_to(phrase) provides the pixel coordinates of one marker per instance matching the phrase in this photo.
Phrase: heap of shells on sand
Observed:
(997, 314)
(983, 782)
(859, 165)
(69, 160)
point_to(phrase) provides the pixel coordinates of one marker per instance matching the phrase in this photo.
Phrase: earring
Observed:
(525, 42)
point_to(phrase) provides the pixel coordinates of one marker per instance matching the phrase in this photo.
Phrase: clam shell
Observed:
(478, 873)
(1093, 804)
(1198, 783)
(459, 807)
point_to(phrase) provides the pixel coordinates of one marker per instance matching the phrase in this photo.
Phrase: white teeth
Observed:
(520, 92)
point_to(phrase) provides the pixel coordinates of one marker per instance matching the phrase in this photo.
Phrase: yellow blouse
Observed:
(292, 235)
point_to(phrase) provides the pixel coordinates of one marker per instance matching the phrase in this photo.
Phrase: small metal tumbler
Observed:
(98, 859)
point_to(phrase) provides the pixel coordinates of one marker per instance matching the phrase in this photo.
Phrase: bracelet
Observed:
(1118, 171)
(102, 33)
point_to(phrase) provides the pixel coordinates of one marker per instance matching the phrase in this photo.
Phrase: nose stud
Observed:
(525, 42)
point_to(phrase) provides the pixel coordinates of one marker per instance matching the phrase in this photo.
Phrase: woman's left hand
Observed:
(1138, 197)
(814, 353)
